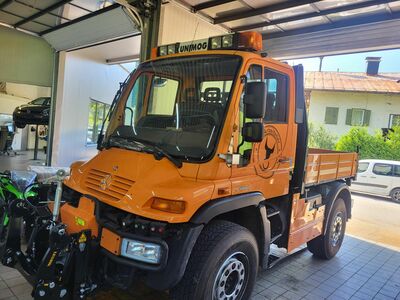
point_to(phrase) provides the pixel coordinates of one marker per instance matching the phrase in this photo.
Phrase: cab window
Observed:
(362, 167)
(277, 96)
(382, 169)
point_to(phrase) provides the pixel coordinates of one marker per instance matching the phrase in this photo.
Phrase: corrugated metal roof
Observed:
(354, 82)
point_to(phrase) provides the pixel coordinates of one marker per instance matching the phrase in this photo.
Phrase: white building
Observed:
(340, 100)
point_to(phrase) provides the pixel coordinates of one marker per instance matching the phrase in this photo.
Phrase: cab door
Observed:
(274, 156)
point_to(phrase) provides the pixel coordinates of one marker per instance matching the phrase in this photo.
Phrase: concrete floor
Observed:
(365, 268)
(21, 161)
(377, 219)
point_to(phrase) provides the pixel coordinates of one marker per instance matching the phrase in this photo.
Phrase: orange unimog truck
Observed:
(202, 170)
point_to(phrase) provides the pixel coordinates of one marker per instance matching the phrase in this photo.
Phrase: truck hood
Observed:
(130, 180)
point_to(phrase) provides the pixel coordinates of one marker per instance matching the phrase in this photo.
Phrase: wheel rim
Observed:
(337, 229)
(396, 195)
(232, 277)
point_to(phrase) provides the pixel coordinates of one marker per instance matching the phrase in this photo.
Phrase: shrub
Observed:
(319, 137)
(371, 146)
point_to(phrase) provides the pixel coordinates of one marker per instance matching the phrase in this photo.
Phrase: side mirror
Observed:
(255, 100)
(253, 132)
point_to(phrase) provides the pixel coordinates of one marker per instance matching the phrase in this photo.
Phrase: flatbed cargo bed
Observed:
(328, 165)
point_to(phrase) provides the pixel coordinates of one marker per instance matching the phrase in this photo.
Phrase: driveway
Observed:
(375, 219)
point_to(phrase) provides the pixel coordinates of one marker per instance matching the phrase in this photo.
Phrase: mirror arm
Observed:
(243, 79)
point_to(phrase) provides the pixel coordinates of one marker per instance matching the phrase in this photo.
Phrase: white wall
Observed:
(83, 74)
(381, 106)
(179, 25)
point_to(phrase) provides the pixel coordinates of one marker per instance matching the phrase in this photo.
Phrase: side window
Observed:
(134, 103)
(163, 96)
(382, 169)
(277, 97)
(253, 74)
(362, 167)
(396, 171)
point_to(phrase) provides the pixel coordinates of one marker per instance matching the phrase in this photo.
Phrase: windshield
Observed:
(176, 104)
(40, 101)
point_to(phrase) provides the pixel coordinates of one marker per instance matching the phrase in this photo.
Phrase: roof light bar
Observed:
(249, 41)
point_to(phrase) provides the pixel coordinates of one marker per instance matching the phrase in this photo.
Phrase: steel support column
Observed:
(52, 114)
(151, 23)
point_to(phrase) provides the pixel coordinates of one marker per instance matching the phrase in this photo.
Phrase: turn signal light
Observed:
(172, 206)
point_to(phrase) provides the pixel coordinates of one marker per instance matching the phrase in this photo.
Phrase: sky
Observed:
(390, 62)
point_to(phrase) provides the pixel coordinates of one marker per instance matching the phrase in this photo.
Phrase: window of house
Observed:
(97, 113)
(331, 115)
(394, 120)
(277, 97)
(362, 167)
(382, 169)
(163, 96)
(358, 117)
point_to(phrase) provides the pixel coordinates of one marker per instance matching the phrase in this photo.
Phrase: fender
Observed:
(224, 205)
(331, 194)
(216, 207)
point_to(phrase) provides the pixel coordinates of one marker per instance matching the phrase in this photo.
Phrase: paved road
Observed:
(375, 219)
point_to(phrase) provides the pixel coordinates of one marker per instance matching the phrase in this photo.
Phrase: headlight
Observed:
(163, 50)
(142, 251)
(227, 41)
(216, 42)
(45, 112)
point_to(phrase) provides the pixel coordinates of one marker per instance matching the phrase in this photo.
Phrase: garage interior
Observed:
(78, 52)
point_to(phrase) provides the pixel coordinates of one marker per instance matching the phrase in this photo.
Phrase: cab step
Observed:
(278, 255)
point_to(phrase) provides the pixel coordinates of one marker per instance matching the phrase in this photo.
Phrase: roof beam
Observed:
(210, 4)
(314, 14)
(262, 10)
(5, 3)
(42, 12)
(379, 17)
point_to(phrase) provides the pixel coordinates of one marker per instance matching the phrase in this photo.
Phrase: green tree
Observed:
(371, 146)
(319, 137)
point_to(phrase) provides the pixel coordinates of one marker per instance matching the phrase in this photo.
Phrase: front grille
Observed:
(105, 185)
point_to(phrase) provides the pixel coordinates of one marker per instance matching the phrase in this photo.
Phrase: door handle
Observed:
(363, 176)
(373, 177)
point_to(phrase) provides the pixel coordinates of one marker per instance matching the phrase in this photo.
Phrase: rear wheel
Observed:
(223, 264)
(326, 246)
(395, 195)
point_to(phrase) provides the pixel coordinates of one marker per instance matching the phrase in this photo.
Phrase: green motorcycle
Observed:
(18, 190)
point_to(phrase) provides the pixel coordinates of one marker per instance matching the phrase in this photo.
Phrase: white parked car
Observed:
(380, 177)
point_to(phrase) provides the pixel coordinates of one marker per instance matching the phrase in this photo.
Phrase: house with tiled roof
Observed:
(340, 100)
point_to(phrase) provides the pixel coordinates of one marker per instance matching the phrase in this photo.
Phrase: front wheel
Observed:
(326, 246)
(223, 264)
(395, 195)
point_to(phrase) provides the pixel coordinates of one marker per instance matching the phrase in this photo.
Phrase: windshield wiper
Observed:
(158, 152)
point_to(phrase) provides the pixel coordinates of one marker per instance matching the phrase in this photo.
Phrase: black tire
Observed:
(395, 195)
(326, 246)
(224, 260)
